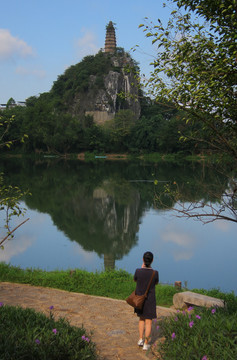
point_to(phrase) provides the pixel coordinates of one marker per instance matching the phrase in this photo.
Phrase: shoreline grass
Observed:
(116, 284)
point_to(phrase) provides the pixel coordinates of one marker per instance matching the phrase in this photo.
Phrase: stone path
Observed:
(113, 324)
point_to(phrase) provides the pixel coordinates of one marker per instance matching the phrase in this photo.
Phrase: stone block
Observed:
(187, 298)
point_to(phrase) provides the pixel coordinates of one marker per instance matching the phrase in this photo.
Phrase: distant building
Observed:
(12, 105)
(110, 39)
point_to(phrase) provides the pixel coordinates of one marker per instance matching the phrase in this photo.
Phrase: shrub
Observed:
(26, 334)
(200, 334)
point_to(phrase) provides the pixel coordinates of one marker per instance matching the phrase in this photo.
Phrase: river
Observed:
(102, 215)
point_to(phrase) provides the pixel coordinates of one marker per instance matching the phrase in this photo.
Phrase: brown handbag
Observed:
(137, 301)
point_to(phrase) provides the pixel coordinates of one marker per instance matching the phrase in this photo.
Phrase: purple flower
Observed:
(204, 357)
(191, 324)
(190, 308)
(178, 311)
(213, 311)
(173, 336)
(157, 328)
(85, 338)
(37, 341)
(198, 317)
(51, 307)
(176, 319)
(1, 304)
(54, 331)
(184, 312)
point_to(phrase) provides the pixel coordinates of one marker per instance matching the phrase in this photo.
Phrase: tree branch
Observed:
(12, 231)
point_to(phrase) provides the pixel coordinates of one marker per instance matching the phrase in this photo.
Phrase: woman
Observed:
(142, 277)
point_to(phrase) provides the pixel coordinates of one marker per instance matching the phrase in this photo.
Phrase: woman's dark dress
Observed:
(142, 277)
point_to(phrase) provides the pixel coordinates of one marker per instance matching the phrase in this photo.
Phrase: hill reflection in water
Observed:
(85, 213)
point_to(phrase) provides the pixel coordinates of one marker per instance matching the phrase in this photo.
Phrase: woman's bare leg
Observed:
(148, 324)
(141, 327)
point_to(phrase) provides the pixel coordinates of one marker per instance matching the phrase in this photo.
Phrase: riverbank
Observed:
(115, 284)
(94, 156)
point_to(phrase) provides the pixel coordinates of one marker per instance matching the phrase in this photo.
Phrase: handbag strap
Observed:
(148, 287)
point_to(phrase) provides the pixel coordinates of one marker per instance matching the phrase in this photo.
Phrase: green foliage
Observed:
(116, 284)
(195, 69)
(8, 136)
(9, 195)
(11, 102)
(77, 78)
(26, 334)
(200, 334)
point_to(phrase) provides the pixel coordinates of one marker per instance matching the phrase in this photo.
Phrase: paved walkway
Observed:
(113, 324)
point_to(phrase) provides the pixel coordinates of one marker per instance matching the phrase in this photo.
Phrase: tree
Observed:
(9, 195)
(11, 103)
(6, 123)
(196, 71)
(121, 129)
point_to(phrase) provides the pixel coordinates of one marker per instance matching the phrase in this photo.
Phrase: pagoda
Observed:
(110, 39)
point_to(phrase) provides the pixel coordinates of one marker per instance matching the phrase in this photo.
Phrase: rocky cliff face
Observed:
(118, 90)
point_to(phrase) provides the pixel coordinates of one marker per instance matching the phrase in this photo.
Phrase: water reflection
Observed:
(103, 209)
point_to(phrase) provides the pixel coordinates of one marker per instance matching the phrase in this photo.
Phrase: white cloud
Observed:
(11, 46)
(21, 70)
(222, 225)
(15, 247)
(177, 238)
(184, 244)
(180, 255)
(86, 45)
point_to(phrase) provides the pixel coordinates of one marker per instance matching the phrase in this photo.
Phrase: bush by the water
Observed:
(26, 334)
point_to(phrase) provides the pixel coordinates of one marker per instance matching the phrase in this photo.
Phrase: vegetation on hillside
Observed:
(54, 125)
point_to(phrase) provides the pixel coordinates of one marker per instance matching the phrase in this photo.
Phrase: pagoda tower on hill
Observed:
(110, 39)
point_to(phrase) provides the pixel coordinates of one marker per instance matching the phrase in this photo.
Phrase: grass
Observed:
(116, 284)
(26, 334)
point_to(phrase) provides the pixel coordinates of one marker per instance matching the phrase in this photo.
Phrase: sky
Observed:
(40, 39)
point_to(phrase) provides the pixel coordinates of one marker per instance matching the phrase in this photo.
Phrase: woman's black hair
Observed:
(148, 258)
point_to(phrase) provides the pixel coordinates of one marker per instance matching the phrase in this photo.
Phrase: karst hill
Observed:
(100, 85)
